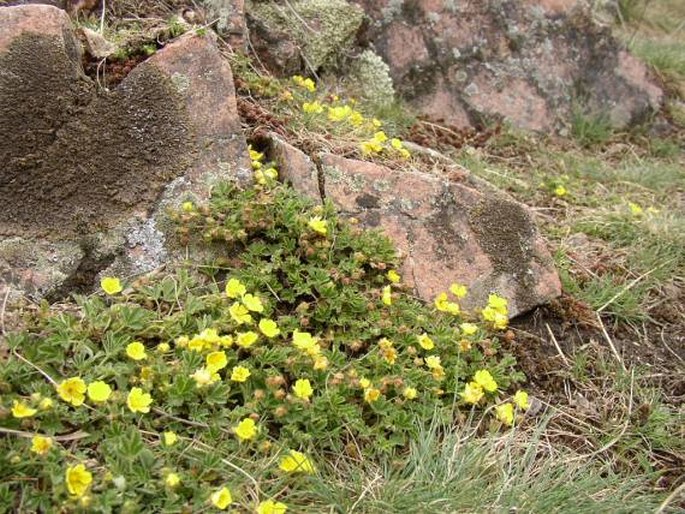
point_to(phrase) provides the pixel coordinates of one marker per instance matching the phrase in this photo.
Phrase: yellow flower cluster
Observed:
(73, 390)
(305, 83)
(309, 345)
(475, 390)
(497, 312)
(380, 143)
(264, 173)
(443, 304)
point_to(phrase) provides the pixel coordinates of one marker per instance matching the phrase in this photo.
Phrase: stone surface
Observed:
(528, 62)
(93, 170)
(230, 24)
(299, 34)
(448, 231)
(294, 167)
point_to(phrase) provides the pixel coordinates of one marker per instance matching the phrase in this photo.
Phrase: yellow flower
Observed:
(393, 276)
(253, 303)
(472, 393)
(425, 342)
(296, 462)
(497, 302)
(222, 498)
(433, 362)
(364, 383)
(387, 295)
(172, 480)
(303, 388)
(271, 507)
(138, 401)
(443, 305)
(458, 290)
(370, 147)
(99, 391)
(635, 209)
(376, 123)
(254, 154)
(371, 395)
(521, 400)
(410, 393)
(318, 225)
(312, 107)
(235, 288)
(72, 390)
(499, 320)
(396, 143)
(468, 328)
(380, 137)
(484, 379)
(197, 344)
(163, 347)
(204, 377)
(240, 374)
(136, 351)
(246, 339)
(240, 314)
(226, 341)
(304, 341)
(307, 84)
(320, 362)
(216, 361)
(560, 191)
(187, 206)
(270, 173)
(269, 328)
(45, 404)
(170, 438)
(78, 480)
(505, 413)
(340, 113)
(111, 285)
(246, 429)
(21, 410)
(356, 118)
(41, 445)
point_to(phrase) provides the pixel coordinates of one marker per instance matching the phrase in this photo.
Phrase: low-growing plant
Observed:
(217, 384)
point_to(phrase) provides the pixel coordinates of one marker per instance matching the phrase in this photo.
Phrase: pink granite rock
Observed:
(447, 231)
(528, 62)
(88, 173)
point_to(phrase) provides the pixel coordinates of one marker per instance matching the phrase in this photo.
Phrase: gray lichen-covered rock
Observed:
(316, 33)
(88, 173)
(528, 62)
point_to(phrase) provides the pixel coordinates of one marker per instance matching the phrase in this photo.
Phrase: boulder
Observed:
(531, 63)
(88, 173)
(447, 230)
